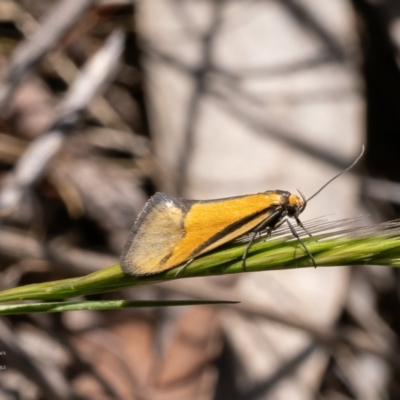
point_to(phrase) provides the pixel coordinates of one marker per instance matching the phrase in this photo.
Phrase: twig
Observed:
(59, 63)
(29, 52)
(52, 384)
(32, 165)
(355, 339)
(19, 246)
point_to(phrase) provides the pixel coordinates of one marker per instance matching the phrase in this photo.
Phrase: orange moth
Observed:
(169, 231)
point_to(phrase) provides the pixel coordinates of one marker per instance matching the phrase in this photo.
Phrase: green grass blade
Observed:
(377, 244)
(60, 306)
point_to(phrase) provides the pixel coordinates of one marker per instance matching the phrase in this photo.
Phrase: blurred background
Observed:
(103, 103)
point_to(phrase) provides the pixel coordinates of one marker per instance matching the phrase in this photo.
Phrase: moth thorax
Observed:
(295, 201)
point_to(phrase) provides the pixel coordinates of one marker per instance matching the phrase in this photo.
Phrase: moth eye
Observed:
(291, 210)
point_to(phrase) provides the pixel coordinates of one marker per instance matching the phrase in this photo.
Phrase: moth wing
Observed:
(157, 230)
(170, 231)
(209, 224)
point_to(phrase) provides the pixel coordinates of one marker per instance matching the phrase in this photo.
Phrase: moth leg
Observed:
(268, 225)
(183, 267)
(296, 235)
(258, 230)
(299, 223)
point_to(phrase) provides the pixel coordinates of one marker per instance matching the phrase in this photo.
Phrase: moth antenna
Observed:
(340, 174)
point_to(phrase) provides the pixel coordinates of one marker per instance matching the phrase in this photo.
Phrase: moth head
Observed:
(295, 205)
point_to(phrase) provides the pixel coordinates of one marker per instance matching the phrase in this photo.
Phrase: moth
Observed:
(170, 231)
